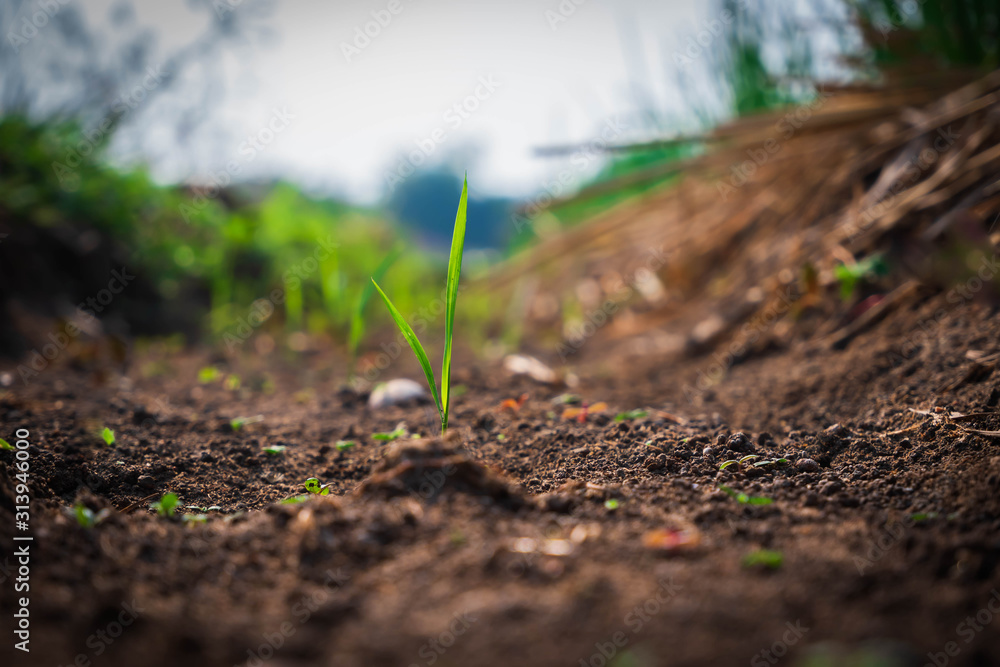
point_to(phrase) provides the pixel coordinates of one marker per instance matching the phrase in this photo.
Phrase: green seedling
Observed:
(213, 508)
(567, 399)
(630, 415)
(6, 445)
(849, 276)
(194, 518)
(501, 437)
(400, 432)
(748, 458)
(232, 382)
(166, 506)
(312, 485)
(294, 500)
(274, 450)
(772, 462)
(344, 445)
(239, 422)
(208, 374)
(924, 516)
(443, 398)
(730, 462)
(86, 516)
(612, 504)
(765, 558)
(108, 436)
(743, 498)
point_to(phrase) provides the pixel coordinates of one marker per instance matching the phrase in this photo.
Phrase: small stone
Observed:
(146, 482)
(807, 465)
(739, 442)
(395, 392)
(708, 452)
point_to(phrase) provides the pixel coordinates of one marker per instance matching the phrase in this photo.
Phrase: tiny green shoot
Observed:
(357, 319)
(743, 498)
(294, 500)
(274, 450)
(765, 558)
(208, 374)
(239, 422)
(400, 432)
(6, 445)
(747, 458)
(86, 516)
(108, 436)
(501, 437)
(232, 382)
(442, 397)
(567, 399)
(630, 415)
(772, 462)
(194, 518)
(612, 504)
(344, 445)
(312, 485)
(730, 462)
(165, 506)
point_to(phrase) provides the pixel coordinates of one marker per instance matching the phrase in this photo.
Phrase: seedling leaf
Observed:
(312, 485)
(294, 500)
(454, 274)
(274, 449)
(766, 558)
(108, 435)
(5, 445)
(343, 445)
(418, 349)
(400, 432)
(728, 463)
(166, 506)
(630, 414)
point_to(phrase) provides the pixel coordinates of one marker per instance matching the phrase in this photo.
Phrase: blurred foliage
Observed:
(236, 248)
(954, 33)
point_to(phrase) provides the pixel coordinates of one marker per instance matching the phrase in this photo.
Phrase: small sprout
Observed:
(213, 508)
(312, 485)
(400, 432)
(550, 415)
(239, 422)
(108, 436)
(232, 382)
(924, 516)
(772, 462)
(567, 399)
(274, 450)
(631, 414)
(294, 500)
(501, 437)
(6, 445)
(764, 558)
(86, 517)
(208, 374)
(728, 463)
(166, 506)
(611, 504)
(685, 440)
(459, 390)
(344, 445)
(194, 518)
(749, 457)
(743, 498)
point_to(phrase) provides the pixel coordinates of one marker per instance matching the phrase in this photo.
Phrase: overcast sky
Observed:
(525, 73)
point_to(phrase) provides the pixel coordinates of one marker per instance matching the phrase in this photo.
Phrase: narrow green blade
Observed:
(454, 272)
(418, 349)
(358, 322)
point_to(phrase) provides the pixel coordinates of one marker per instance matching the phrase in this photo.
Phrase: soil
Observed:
(523, 537)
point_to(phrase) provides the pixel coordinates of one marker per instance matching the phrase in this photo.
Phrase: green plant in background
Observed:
(764, 558)
(166, 506)
(86, 517)
(849, 277)
(344, 445)
(358, 318)
(274, 450)
(399, 432)
(442, 398)
(631, 414)
(108, 436)
(239, 422)
(744, 499)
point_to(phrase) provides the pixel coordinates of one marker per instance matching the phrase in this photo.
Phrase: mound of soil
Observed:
(859, 525)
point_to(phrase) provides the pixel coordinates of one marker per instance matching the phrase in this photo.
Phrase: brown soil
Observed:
(525, 538)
